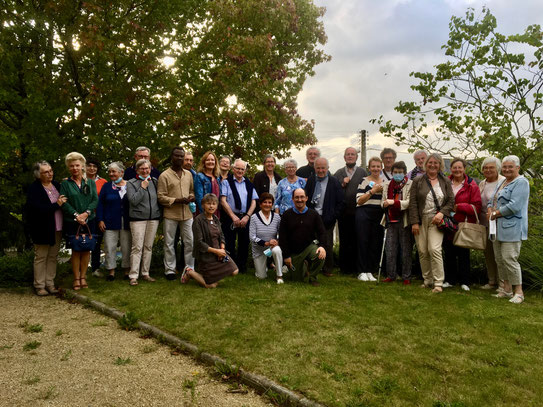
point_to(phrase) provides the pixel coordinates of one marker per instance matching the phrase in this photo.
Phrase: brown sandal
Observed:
(84, 282)
(77, 284)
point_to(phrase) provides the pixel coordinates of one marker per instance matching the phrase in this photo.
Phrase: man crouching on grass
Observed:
(300, 230)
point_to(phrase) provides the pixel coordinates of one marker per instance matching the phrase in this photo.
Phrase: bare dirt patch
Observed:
(79, 357)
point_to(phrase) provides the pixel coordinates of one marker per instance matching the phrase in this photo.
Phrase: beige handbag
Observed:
(471, 235)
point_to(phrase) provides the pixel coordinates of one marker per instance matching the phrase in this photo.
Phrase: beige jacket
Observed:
(404, 203)
(171, 187)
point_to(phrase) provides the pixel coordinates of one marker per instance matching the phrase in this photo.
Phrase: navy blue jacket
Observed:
(334, 199)
(111, 208)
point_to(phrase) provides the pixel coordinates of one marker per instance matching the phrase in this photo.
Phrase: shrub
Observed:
(17, 269)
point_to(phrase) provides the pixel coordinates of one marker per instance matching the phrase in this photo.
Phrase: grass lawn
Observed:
(348, 343)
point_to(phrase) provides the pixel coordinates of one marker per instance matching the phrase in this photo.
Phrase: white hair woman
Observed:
(491, 168)
(285, 188)
(44, 218)
(79, 212)
(113, 219)
(509, 208)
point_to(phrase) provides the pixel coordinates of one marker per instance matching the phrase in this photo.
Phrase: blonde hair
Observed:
(436, 157)
(201, 164)
(377, 159)
(75, 156)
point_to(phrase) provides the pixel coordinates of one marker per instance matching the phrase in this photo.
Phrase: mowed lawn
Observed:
(349, 343)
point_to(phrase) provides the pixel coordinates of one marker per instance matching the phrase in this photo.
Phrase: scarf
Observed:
(394, 192)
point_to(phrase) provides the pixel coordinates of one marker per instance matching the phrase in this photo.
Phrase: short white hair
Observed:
(239, 160)
(290, 161)
(419, 152)
(141, 162)
(512, 158)
(143, 148)
(490, 160)
(116, 166)
(313, 148)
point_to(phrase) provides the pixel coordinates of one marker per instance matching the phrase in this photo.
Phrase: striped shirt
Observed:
(262, 230)
(363, 187)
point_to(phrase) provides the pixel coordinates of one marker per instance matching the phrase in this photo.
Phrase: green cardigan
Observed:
(79, 200)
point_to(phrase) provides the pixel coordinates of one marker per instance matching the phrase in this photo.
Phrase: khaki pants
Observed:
(506, 254)
(45, 263)
(143, 237)
(429, 242)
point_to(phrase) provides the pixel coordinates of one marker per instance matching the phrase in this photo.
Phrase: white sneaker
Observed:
(370, 277)
(97, 273)
(446, 285)
(280, 281)
(464, 287)
(284, 269)
(363, 277)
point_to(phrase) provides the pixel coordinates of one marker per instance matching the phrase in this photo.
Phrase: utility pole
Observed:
(363, 144)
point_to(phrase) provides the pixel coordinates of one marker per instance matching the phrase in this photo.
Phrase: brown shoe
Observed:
(133, 281)
(315, 283)
(42, 292)
(148, 278)
(51, 290)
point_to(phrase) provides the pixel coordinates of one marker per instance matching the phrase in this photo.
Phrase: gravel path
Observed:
(84, 359)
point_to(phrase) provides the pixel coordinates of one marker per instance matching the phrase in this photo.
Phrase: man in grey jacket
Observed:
(349, 177)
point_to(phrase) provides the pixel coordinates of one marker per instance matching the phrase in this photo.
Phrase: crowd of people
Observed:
(215, 216)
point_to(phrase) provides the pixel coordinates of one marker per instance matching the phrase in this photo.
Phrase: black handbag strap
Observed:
(436, 203)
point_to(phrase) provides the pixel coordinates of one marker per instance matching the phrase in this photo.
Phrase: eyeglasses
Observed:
(239, 169)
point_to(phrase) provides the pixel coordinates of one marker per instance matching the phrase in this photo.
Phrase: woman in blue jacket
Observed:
(113, 221)
(509, 208)
(207, 180)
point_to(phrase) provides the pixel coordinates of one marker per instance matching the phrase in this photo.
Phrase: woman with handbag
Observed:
(467, 206)
(144, 219)
(113, 220)
(509, 209)
(490, 168)
(79, 216)
(430, 204)
(44, 217)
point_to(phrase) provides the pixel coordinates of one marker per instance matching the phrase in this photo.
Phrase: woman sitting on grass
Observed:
(213, 263)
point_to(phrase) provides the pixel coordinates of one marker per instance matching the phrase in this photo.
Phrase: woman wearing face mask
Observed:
(144, 218)
(395, 201)
(467, 205)
(113, 221)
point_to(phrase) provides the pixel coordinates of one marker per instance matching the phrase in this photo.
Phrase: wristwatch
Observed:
(494, 214)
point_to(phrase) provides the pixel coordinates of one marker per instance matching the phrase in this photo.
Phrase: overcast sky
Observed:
(374, 45)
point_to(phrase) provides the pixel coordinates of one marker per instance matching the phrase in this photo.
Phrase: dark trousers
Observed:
(95, 254)
(240, 253)
(457, 263)
(370, 239)
(398, 244)
(347, 244)
(329, 247)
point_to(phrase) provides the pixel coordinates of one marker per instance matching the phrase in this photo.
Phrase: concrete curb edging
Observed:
(260, 383)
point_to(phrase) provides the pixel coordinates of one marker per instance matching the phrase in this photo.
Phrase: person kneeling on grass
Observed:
(263, 231)
(300, 229)
(213, 263)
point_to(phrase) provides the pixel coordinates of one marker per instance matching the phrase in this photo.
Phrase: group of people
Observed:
(288, 224)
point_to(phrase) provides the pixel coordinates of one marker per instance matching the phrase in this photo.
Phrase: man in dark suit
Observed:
(349, 177)
(325, 195)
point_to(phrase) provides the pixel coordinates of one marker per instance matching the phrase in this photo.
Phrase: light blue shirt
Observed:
(242, 191)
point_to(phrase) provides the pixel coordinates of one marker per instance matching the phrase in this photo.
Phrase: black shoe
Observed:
(170, 276)
(110, 277)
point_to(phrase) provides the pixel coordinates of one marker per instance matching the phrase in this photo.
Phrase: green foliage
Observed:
(31, 345)
(128, 322)
(66, 355)
(485, 99)
(531, 256)
(102, 78)
(32, 380)
(227, 371)
(32, 328)
(122, 361)
(17, 269)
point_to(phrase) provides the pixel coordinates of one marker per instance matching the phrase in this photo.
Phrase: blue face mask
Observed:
(118, 180)
(398, 177)
(142, 178)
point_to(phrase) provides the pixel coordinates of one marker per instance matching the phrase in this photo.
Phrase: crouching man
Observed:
(300, 231)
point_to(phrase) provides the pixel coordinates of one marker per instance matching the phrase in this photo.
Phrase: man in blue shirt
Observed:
(238, 199)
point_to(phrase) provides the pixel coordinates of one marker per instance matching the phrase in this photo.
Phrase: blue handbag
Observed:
(83, 242)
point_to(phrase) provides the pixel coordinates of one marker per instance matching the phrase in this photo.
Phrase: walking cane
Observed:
(383, 248)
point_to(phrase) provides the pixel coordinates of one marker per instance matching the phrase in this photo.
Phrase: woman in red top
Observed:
(467, 204)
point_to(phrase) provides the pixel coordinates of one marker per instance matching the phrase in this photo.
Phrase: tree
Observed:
(103, 77)
(485, 99)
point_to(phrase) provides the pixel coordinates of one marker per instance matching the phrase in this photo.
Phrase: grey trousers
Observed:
(398, 239)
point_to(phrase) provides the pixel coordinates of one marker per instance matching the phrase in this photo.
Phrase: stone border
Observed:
(260, 383)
